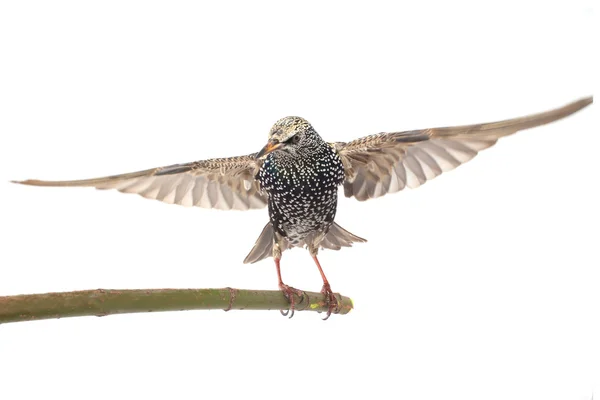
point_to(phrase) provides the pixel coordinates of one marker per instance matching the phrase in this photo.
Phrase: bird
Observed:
(297, 176)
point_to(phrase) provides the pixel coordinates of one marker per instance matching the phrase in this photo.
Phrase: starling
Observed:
(297, 175)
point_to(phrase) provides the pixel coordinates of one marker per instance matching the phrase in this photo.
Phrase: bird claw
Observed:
(333, 304)
(289, 293)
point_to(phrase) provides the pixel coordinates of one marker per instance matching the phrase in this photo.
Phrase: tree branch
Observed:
(101, 302)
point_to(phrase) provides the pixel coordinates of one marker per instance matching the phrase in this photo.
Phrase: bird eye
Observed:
(295, 139)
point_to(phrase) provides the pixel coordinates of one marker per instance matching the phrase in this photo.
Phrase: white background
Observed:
(481, 284)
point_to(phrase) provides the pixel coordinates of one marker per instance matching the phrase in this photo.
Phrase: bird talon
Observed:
(301, 294)
(333, 305)
(289, 292)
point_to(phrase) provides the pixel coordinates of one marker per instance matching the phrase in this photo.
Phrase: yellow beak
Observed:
(270, 147)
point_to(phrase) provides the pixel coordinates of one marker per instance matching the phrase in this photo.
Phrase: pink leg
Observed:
(330, 298)
(288, 291)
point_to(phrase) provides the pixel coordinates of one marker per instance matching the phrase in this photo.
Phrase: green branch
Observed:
(101, 302)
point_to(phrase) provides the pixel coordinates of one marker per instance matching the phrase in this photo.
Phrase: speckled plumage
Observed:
(301, 184)
(297, 174)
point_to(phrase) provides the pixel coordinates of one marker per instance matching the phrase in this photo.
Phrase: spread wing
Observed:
(388, 162)
(222, 183)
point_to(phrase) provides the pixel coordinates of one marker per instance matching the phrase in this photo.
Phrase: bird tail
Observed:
(263, 247)
(336, 238)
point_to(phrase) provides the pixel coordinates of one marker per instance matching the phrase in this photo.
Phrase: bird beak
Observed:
(270, 147)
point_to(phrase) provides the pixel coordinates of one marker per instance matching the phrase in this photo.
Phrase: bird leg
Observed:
(288, 292)
(332, 301)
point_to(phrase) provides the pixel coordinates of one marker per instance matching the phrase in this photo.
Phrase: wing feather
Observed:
(388, 162)
(222, 183)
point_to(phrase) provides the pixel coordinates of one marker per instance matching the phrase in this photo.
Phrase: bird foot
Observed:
(289, 293)
(333, 304)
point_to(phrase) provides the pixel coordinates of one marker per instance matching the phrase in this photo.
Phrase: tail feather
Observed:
(336, 238)
(263, 247)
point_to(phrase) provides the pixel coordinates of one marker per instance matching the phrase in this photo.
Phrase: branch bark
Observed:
(102, 302)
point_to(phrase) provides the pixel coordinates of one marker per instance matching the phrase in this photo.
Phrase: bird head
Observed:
(287, 133)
